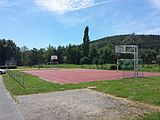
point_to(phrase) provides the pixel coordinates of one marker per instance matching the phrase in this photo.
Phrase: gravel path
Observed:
(8, 108)
(82, 104)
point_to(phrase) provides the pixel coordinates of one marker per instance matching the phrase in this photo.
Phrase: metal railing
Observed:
(18, 77)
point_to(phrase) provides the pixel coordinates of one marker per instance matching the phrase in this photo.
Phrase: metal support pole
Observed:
(117, 68)
(136, 61)
(123, 70)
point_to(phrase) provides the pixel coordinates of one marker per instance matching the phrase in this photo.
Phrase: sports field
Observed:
(73, 76)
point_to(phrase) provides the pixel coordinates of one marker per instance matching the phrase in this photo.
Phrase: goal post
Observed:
(129, 49)
(125, 68)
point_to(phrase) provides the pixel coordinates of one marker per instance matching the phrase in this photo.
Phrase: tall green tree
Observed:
(61, 53)
(93, 53)
(34, 58)
(8, 51)
(73, 54)
(41, 56)
(24, 55)
(86, 41)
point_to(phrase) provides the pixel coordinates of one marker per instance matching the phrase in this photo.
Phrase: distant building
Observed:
(12, 63)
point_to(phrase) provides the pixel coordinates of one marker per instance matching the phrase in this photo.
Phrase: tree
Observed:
(50, 51)
(8, 51)
(86, 41)
(18, 56)
(109, 55)
(93, 53)
(101, 60)
(24, 55)
(61, 53)
(158, 60)
(148, 55)
(95, 61)
(73, 54)
(84, 60)
(41, 56)
(34, 58)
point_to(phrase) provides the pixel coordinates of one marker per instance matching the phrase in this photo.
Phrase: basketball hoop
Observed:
(131, 49)
(54, 59)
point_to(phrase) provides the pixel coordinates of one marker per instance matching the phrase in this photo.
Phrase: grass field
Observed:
(140, 89)
(150, 68)
(152, 116)
(105, 66)
(145, 90)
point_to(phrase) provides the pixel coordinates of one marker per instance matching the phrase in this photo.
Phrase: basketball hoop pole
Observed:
(131, 49)
(136, 61)
(117, 69)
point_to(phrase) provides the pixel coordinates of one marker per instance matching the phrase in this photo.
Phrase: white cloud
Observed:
(156, 3)
(146, 25)
(63, 6)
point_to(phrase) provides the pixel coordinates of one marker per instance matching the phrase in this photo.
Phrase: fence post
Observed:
(18, 77)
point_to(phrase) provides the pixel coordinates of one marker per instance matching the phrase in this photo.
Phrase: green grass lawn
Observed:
(68, 66)
(141, 89)
(145, 90)
(150, 68)
(105, 66)
(152, 116)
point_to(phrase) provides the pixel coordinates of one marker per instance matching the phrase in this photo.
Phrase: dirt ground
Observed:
(82, 104)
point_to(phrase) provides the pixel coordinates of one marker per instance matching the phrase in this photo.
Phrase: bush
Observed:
(113, 67)
(84, 60)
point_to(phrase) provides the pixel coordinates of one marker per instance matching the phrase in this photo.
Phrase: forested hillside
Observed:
(100, 51)
(143, 41)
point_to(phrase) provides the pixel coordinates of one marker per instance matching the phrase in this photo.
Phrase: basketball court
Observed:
(73, 76)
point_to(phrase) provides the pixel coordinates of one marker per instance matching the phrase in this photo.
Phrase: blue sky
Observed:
(38, 23)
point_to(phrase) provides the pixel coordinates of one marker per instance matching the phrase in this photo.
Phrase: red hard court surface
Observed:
(72, 76)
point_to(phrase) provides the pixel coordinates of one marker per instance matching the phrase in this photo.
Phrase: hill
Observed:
(143, 41)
